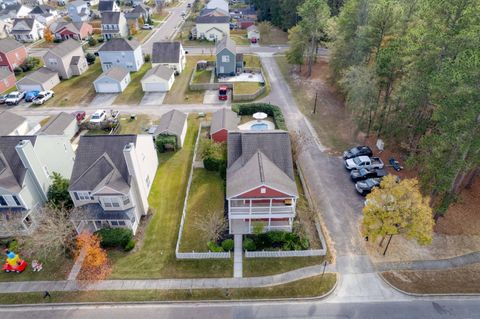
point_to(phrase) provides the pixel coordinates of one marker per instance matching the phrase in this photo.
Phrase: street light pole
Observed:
(315, 105)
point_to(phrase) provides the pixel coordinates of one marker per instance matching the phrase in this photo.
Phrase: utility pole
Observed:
(315, 105)
(388, 244)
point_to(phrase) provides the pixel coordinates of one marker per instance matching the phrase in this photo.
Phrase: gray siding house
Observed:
(228, 62)
(67, 58)
(122, 53)
(26, 164)
(114, 25)
(173, 123)
(78, 11)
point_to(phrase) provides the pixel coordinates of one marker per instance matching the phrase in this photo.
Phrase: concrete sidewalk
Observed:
(238, 257)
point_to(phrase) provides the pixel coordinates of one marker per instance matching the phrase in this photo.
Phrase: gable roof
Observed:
(171, 123)
(39, 76)
(57, 124)
(115, 73)
(119, 44)
(65, 48)
(111, 17)
(5, 73)
(78, 3)
(221, 4)
(72, 26)
(226, 43)
(106, 5)
(24, 25)
(160, 71)
(42, 10)
(214, 12)
(7, 45)
(166, 52)
(12, 171)
(9, 121)
(212, 19)
(100, 162)
(224, 119)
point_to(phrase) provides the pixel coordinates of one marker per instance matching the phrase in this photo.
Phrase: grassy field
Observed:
(180, 93)
(239, 36)
(308, 287)
(78, 90)
(138, 126)
(202, 76)
(252, 61)
(133, 93)
(276, 36)
(246, 87)
(156, 256)
(206, 195)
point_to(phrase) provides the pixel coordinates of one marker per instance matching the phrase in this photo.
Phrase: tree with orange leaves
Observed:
(48, 35)
(95, 265)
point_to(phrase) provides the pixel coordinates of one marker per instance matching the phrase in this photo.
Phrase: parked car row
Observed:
(37, 97)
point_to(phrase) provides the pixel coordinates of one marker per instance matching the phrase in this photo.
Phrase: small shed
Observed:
(158, 79)
(40, 80)
(114, 80)
(173, 123)
(62, 124)
(223, 121)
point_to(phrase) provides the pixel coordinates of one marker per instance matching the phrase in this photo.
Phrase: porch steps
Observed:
(238, 257)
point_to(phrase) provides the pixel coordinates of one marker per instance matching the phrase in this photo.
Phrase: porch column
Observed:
(250, 207)
(270, 208)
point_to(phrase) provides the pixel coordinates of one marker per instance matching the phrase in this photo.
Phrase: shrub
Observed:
(147, 58)
(115, 237)
(13, 246)
(90, 58)
(56, 40)
(92, 42)
(213, 246)
(163, 142)
(130, 37)
(249, 244)
(227, 244)
(130, 245)
(269, 109)
(17, 70)
(30, 63)
(214, 156)
(58, 194)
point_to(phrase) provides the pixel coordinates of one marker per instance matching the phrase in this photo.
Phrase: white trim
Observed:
(263, 184)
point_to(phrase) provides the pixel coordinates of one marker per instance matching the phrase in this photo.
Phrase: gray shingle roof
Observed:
(226, 43)
(100, 162)
(41, 9)
(224, 119)
(119, 44)
(161, 71)
(105, 5)
(57, 124)
(96, 212)
(77, 3)
(4, 73)
(39, 76)
(270, 151)
(212, 19)
(171, 123)
(9, 121)
(111, 17)
(166, 52)
(23, 25)
(7, 45)
(12, 171)
(65, 48)
(115, 73)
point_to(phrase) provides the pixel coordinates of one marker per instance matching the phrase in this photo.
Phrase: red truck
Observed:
(223, 93)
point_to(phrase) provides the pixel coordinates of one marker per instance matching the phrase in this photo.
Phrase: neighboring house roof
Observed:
(100, 162)
(224, 119)
(9, 122)
(212, 19)
(119, 44)
(5, 73)
(39, 76)
(22, 26)
(221, 4)
(106, 5)
(72, 26)
(226, 43)
(65, 48)
(12, 171)
(268, 152)
(10, 11)
(7, 45)
(159, 71)
(42, 10)
(78, 3)
(96, 212)
(115, 73)
(214, 12)
(166, 52)
(57, 124)
(171, 123)
(111, 17)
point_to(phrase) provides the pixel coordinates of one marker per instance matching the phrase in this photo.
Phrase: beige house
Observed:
(212, 28)
(67, 58)
(41, 80)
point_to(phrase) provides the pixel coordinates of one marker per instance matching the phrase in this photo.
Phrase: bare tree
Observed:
(299, 141)
(212, 224)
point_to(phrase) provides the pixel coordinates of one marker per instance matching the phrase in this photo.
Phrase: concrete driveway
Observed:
(211, 97)
(153, 98)
(103, 99)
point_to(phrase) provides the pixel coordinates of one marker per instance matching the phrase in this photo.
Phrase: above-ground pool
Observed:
(259, 127)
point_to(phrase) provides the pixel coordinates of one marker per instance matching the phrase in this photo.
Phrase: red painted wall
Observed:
(13, 58)
(7, 83)
(256, 193)
(220, 136)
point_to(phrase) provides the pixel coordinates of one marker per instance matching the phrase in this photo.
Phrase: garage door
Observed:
(29, 87)
(107, 87)
(155, 87)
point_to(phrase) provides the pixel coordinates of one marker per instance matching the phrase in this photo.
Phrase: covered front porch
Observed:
(254, 207)
(246, 226)
(92, 217)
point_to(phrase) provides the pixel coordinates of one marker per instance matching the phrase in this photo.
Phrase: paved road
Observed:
(425, 309)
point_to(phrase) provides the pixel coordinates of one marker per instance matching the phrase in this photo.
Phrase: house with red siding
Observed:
(223, 121)
(261, 184)
(72, 30)
(7, 79)
(12, 54)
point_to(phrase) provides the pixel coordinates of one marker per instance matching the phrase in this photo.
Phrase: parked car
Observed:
(31, 95)
(43, 97)
(15, 97)
(253, 40)
(80, 116)
(223, 93)
(189, 5)
(99, 116)
(364, 173)
(395, 164)
(357, 151)
(366, 186)
(147, 27)
(364, 162)
(3, 98)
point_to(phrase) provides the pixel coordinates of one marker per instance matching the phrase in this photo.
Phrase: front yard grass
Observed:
(53, 269)
(240, 38)
(206, 195)
(252, 61)
(139, 125)
(78, 90)
(180, 93)
(246, 87)
(308, 287)
(156, 256)
(141, 35)
(133, 93)
(276, 36)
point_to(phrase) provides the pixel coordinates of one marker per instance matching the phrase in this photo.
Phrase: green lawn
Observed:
(206, 195)
(239, 39)
(137, 126)
(245, 87)
(308, 287)
(252, 61)
(156, 258)
(141, 34)
(77, 90)
(202, 76)
(56, 269)
(133, 93)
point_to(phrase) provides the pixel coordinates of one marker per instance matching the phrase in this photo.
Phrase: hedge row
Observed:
(269, 109)
(116, 238)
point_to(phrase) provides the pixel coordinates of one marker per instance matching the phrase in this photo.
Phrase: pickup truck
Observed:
(363, 162)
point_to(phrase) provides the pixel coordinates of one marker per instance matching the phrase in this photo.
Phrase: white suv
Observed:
(99, 116)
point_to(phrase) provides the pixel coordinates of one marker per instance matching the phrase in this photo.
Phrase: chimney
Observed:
(138, 184)
(34, 167)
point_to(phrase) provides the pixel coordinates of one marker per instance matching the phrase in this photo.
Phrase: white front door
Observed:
(222, 70)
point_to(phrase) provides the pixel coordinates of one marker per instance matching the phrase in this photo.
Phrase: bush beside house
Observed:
(116, 238)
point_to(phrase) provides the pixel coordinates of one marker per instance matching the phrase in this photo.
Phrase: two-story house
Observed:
(27, 30)
(111, 179)
(44, 14)
(12, 54)
(139, 11)
(78, 11)
(26, 164)
(9, 12)
(66, 58)
(261, 184)
(122, 53)
(108, 5)
(72, 30)
(228, 62)
(169, 54)
(212, 28)
(114, 25)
